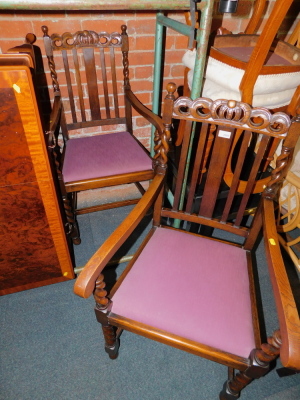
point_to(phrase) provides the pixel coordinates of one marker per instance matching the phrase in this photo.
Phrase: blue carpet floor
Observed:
(52, 347)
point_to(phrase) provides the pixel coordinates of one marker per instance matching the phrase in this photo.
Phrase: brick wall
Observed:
(141, 29)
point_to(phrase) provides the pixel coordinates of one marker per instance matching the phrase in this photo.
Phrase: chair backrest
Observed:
(294, 38)
(93, 75)
(206, 192)
(287, 56)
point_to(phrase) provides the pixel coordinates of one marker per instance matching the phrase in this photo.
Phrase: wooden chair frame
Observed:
(91, 42)
(228, 117)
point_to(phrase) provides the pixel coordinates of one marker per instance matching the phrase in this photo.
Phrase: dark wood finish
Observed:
(262, 45)
(34, 250)
(93, 56)
(228, 118)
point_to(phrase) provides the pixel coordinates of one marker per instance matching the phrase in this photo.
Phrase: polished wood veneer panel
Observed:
(15, 165)
(34, 250)
(28, 252)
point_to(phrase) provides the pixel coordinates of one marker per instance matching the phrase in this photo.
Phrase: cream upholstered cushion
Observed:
(222, 81)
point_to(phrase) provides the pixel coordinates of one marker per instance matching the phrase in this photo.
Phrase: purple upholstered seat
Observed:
(244, 53)
(170, 288)
(104, 155)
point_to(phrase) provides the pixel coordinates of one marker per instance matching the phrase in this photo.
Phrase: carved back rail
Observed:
(223, 175)
(89, 64)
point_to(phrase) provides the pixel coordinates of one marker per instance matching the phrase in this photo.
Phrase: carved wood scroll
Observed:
(69, 41)
(227, 112)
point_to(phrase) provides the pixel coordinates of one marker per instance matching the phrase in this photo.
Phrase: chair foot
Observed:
(234, 385)
(76, 240)
(112, 342)
(71, 225)
(260, 360)
(226, 395)
(113, 352)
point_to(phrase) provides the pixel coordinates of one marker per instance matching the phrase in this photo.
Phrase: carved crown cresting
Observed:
(69, 41)
(229, 111)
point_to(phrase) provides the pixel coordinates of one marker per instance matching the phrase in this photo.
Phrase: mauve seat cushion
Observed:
(104, 155)
(192, 287)
(244, 54)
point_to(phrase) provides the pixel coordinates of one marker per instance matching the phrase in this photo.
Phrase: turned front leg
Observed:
(260, 363)
(102, 309)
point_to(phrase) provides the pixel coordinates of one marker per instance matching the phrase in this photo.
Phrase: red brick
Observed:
(142, 85)
(142, 132)
(141, 26)
(177, 15)
(144, 97)
(143, 72)
(15, 29)
(181, 42)
(140, 121)
(145, 43)
(175, 57)
(101, 25)
(177, 70)
(170, 42)
(9, 43)
(110, 128)
(141, 58)
(28, 15)
(58, 24)
(144, 141)
(166, 70)
(232, 25)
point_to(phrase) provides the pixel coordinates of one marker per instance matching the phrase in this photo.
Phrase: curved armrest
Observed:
(144, 111)
(85, 283)
(288, 313)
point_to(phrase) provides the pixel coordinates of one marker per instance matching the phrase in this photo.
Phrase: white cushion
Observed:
(222, 81)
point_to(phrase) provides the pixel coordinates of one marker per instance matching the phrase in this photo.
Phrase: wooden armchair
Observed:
(96, 93)
(193, 292)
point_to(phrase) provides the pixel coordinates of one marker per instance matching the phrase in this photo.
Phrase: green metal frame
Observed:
(202, 36)
(97, 5)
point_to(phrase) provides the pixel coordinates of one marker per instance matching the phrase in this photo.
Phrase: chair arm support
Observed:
(85, 283)
(55, 113)
(288, 314)
(144, 111)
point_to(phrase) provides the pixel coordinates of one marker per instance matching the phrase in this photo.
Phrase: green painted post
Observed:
(202, 42)
(156, 97)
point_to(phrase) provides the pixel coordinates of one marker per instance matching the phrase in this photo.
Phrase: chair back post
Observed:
(127, 87)
(51, 63)
(161, 142)
(125, 50)
(256, 16)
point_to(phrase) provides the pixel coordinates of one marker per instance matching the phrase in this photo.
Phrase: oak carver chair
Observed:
(196, 293)
(97, 93)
